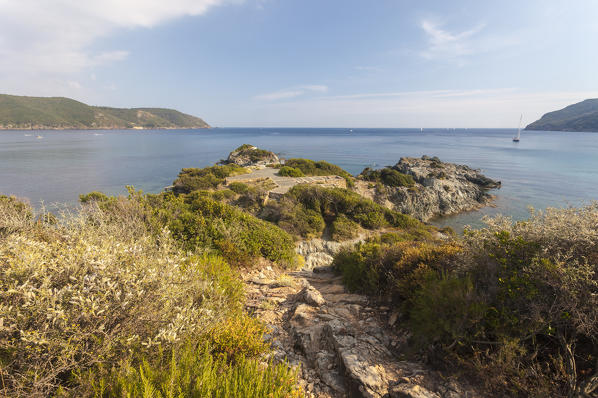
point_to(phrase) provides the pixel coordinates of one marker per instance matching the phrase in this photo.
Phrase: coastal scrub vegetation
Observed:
(513, 304)
(200, 222)
(287, 171)
(102, 303)
(387, 176)
(320, 168)
(306, 210)
(193, 179)
(253, 153)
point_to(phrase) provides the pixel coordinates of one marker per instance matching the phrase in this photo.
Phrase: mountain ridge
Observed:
(581, 116)
(61, 113)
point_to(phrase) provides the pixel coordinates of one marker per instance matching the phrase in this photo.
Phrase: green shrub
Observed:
(306, 209)
(287, 171)
(238, 337)
(193, 179)
(197, 372)
(395, 269)
(515, 304)
(94, 290)
(238, 187)
(387, 176)
(199, 223)
(447, 310)
(320, 168)
(343, 229)
(295, 218)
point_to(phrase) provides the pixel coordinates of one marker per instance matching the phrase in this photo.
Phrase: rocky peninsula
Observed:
(422, 187)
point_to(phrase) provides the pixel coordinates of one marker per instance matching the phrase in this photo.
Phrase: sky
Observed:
(308, 63)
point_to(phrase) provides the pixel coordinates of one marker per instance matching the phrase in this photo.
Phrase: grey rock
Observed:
(312, 297)
(408, 390)
(441, 189)
(244, 157)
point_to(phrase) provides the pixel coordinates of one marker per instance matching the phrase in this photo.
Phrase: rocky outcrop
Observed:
(339, 341)
(440, 189)
(320, 252)
(249, 155)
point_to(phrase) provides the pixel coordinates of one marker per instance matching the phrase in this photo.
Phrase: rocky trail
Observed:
(343, 345)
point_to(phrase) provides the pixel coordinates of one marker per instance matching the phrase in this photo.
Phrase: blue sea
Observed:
(544, 169)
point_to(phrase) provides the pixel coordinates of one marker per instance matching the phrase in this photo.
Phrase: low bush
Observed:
(201, 223)
(286, 171)
(387, 176)
(238, 187)
(342, 228)
(514, 304)
(294, 218)
(90, 290)
(305, 210)
(15, 215)
(196, 372)
(193, 179)
(395, 270)
(320, 168)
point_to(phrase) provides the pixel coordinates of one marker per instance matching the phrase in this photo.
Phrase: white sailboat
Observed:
(518, 136)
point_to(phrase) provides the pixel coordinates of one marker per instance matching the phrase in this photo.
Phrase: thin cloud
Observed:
(44, 41)
(425, 93)
(291, 92)
(443, 44)
(436, 108)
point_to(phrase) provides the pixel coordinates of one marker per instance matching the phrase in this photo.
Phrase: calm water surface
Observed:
(544, 169)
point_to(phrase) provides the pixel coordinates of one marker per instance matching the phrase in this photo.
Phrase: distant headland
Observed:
(582, 116)
(59, 113)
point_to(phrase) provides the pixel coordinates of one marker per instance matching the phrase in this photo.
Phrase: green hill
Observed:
(17, 112)
(582, 116)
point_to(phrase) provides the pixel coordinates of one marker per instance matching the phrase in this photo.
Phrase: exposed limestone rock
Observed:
(440, 189)
(338, 340)
(312, 296)
(411, 391)
(320, 252)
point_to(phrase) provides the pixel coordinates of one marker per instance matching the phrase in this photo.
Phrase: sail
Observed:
(516, 138)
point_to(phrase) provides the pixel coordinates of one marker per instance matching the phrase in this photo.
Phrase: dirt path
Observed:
(340, 341)
(283, 184)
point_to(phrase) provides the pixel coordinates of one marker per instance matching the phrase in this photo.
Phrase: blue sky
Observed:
(329, 63)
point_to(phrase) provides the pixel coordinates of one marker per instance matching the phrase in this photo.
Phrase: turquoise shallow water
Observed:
(544, 169)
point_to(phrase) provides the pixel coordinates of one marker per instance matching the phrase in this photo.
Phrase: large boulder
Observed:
(249, 155)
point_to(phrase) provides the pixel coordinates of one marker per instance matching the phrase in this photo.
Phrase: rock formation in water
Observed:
(438, 189)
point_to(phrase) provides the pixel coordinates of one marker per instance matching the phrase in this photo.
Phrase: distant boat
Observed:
(39, 137)
(421, 129)
(518, 136)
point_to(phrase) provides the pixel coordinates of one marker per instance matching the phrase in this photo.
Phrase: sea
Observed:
(545, 169)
